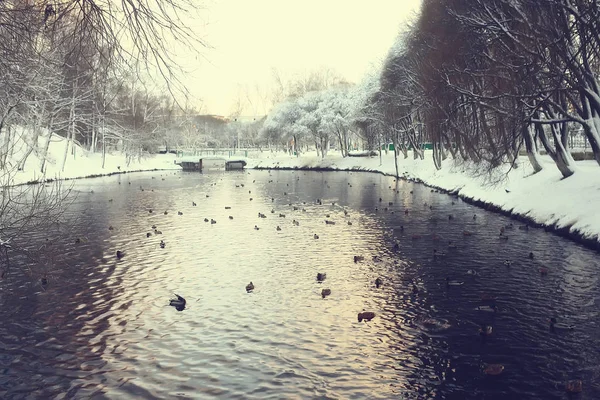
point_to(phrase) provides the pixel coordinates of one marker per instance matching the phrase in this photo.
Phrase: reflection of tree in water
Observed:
(28, 213)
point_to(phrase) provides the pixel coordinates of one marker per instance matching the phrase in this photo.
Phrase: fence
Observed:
(223, 152)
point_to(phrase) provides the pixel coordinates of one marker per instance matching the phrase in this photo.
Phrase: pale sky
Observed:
(250, 38)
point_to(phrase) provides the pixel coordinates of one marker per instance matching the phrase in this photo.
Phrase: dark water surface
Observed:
(103, 328)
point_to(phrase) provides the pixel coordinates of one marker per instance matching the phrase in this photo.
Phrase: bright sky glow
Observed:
(251, 38)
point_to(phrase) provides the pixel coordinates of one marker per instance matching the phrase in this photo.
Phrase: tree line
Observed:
(86, 70)
(481, 81)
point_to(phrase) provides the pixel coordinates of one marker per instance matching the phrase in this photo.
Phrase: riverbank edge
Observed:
(565, 231)
(50, 180)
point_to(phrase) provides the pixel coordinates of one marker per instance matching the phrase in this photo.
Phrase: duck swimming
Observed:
(321, 276)
(162, 244)
(358, 258)
(493, 369)
(120, 254)
(560, 326)
(485, 330)
(491, 308)
(178, 303)
(366, 315)
(278, 228)
(574, 386)
(378, 282)
(316, 236)
(249, 287)
(325, 292)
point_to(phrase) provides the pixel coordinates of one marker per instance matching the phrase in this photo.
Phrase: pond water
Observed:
(102, 326)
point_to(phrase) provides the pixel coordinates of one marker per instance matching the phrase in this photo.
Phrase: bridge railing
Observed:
(222, 152)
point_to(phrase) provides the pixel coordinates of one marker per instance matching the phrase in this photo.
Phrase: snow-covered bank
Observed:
(568, 206)
(79, 163)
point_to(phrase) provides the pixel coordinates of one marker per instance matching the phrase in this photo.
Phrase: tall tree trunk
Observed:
(531, 149)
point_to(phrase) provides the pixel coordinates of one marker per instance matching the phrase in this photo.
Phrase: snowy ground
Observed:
(78, 165)
(567, 204)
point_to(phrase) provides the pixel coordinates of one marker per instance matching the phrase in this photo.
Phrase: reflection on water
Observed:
(102, 327)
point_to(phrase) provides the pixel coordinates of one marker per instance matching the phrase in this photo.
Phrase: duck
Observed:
(321, 276)
(493, 369)
(153, 226)
(150, 211)
(166, 212)
(178, 303)
(256, 228)
(231, 217)
(349, 223)
(327, 222)
(120, 254)
(450, 282)
(205, 219)
(485, 330)
(378, 282)
(249, 287)
(281, 215)
(162, 244)
(148, 234)
(531, 256)
(358, 258)
(574, 386)
(315, 236)
(193, 204)
(157, 232)
(278, 228)
(325, 292)
(366, 315)
(77, 241)
(560, 326)
(227, 207)
(110, 228)
(294, 222)
(179, 213)
(212, 221)
(491, 308)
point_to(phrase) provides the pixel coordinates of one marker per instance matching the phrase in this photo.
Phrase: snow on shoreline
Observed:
(81, 164)
(565, 205)
(568, 206)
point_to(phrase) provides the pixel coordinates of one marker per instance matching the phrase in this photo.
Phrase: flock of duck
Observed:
(572, 386)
